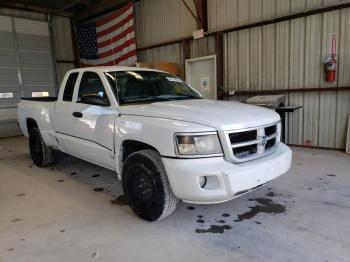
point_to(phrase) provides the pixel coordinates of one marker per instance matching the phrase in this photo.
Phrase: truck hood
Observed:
(221, 115)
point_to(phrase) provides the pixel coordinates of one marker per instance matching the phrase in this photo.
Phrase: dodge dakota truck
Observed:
(164, 141)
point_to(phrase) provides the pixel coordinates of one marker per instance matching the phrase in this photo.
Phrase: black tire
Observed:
(42, 155)
(146, 186)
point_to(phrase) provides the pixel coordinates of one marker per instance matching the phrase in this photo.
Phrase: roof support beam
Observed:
(200, 15)
(219, 51)
(74, 2)
(202, 11)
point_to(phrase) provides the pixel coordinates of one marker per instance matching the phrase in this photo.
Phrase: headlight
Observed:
(201, 144)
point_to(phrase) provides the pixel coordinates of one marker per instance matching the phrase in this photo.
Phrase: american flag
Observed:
(109, 41)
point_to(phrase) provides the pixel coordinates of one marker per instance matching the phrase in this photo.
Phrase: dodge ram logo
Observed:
(263, 140)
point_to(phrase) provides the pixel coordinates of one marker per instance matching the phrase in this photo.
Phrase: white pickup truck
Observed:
(157, 133)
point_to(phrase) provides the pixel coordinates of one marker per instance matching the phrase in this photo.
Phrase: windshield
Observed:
(148, 86)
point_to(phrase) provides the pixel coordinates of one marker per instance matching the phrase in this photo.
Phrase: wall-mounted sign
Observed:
(198, 34)
(205, 82)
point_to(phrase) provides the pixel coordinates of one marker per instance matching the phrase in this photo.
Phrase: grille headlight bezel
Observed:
(196, 145)
(230, 155)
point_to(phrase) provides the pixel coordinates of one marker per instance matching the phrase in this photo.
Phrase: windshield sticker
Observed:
(174, 79)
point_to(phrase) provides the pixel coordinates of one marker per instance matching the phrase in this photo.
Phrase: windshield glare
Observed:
(148, 86)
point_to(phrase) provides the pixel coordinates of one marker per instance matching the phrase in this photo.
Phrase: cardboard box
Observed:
(172, 68)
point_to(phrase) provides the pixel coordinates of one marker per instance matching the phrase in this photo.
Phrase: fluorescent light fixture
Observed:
(40, 94)
(6, 95)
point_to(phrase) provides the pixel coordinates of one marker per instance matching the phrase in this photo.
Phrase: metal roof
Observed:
(79, 9)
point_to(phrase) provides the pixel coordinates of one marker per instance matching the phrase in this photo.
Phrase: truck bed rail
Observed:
(41, 99)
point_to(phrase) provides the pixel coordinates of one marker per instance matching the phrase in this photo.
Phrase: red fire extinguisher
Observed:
(330, 64)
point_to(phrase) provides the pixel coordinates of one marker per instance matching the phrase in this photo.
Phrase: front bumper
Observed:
(225, 180)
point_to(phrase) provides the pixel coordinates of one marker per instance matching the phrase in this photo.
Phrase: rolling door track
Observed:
(25, 67)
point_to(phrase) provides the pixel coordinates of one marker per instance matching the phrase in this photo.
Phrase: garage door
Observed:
(25, 67)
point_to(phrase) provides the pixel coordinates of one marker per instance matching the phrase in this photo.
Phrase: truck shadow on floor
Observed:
(97, 178)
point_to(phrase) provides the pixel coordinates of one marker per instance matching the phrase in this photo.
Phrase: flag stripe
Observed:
(114, 21)
(107, 19)
(116, 43)
(112, 57)
(118, 48)
(115, 27)
(126, 56)
(116, 32)
(115, 38)
(129, 55)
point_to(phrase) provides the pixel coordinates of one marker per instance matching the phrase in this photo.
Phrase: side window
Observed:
(91, 85)
(69, 88)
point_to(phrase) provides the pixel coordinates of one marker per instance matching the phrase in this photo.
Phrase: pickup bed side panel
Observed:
(156, 132)
(42, 113)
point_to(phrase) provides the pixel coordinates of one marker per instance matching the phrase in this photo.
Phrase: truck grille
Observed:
(245, 151)
(270, 130)
(270, 143)
(242, 136)
(254, 143)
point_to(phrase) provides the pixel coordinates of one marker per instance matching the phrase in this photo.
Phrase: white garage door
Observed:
(25, 67)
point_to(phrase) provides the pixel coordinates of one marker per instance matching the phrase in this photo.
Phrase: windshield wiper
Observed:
(146, 99)
(189, 96)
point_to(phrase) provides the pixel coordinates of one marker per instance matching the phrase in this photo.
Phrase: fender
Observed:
(153, 131)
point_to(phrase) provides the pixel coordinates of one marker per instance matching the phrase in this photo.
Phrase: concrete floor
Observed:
(55, 214)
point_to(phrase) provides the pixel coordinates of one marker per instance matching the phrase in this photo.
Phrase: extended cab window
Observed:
(91, 86)
(69, 88)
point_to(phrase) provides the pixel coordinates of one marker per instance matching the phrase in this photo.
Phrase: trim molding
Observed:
(85, 140)
(281, 91)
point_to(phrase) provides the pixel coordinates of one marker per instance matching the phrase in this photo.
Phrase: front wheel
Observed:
(42, 155)
(146, 186)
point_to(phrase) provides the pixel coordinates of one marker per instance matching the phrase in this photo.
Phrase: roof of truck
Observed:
(113, 68)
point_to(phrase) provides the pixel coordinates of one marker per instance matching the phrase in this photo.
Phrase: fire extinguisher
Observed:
(330, 64)
(330, 67)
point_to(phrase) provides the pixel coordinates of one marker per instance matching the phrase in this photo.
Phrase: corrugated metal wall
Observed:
(286, 55)
(162, 20)
(230, 13)
(63, 45)
(22, 13)
(170, 53)
(61, 38)
(174, 53)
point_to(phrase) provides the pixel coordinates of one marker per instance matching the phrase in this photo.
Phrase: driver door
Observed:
(92, 126)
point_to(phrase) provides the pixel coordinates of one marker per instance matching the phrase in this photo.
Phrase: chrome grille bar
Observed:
(253, 143)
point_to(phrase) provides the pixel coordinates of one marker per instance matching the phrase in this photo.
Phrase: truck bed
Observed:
(41, 99)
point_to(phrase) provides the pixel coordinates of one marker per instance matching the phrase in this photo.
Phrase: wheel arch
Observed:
(128, 147)
(31, 123)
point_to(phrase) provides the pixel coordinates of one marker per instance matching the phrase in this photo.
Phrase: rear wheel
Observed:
(146, 186)
(42, 155)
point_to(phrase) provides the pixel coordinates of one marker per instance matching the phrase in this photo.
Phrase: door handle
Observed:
(77, 114)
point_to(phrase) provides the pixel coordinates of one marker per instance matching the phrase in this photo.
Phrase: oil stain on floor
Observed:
(214, 229)
(265, 205)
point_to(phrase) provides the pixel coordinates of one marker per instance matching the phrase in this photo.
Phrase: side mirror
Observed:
(95, 100)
